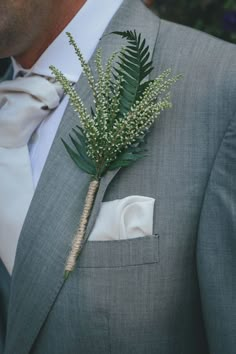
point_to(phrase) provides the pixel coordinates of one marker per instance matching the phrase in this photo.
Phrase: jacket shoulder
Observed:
(208, 64)
(187, 44)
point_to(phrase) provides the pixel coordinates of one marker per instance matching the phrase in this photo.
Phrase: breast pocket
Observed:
(122, 253)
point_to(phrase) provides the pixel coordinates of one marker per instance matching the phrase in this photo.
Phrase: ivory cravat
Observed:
(24, 103)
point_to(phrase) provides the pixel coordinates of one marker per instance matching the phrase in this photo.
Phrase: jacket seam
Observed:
(212, 167)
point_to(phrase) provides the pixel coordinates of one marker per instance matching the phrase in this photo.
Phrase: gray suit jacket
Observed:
(173, 292)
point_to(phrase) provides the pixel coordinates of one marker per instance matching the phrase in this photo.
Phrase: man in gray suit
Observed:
(173, 292)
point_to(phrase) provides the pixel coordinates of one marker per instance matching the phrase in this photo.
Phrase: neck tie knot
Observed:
(24, 103)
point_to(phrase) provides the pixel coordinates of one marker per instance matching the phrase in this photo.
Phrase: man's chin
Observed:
(6, 51)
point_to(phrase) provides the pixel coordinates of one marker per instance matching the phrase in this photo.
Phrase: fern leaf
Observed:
(134, 67)
(77, 160)
(82, 154)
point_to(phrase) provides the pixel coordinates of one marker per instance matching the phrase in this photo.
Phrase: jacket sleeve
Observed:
(216, 249)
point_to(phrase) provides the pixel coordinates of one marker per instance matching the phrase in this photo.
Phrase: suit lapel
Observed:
(56, 208)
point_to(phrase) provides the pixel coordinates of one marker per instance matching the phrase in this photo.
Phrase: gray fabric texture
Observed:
(172, 292)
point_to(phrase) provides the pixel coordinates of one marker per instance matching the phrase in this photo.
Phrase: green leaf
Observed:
(145, 52)
(143, 87)
(147, 66)
(117, 164)
(147, 72)
(129, 95)
(77, 160)
(131, 59)
(132, 53)
(82, 154)
(130, 69)
(131, 81)
(142, 45)
(129, 156)
(82, 141)
(134, 68)
(92, 111)
(130, 159)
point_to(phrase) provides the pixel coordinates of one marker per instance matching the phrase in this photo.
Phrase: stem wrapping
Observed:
(79, 236)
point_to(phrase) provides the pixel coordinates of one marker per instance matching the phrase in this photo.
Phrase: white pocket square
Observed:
(123, 219)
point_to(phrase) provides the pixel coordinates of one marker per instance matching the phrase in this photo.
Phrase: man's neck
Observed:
(64, 16)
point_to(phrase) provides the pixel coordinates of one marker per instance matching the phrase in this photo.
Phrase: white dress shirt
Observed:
(87, 28)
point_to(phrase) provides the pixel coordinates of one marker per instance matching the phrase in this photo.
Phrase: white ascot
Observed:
(24, 103)
(122, 219)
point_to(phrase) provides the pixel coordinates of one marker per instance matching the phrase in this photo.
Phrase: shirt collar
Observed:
(87, 27)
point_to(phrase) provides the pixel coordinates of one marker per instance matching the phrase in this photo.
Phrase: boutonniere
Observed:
(125, 106)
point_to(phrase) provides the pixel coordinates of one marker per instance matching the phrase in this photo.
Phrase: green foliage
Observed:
(211, 16)
(134, 67)
(80, 157)
(126, 105)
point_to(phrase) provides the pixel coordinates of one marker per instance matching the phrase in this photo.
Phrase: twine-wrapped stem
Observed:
(79, 236)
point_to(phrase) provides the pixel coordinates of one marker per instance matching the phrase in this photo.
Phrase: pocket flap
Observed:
(110, 254)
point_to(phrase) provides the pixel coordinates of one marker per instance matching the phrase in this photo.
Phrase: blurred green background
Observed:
(217, 17)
